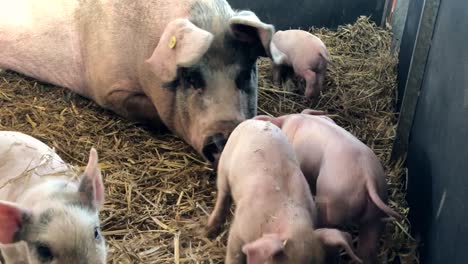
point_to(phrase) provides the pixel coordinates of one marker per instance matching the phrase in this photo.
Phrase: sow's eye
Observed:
(190, 78)
(243, 79)
(245, 76)
(193, 78)
(44, 252)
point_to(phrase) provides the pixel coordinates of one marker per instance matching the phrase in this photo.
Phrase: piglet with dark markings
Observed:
(275, 214)
(345, 174)
(43, 205)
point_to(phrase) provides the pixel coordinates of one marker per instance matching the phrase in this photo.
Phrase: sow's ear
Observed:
(12, 219)
(182, 44)
(91, 186)
(247, 27)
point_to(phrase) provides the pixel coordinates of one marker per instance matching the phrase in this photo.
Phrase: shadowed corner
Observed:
(419, 196)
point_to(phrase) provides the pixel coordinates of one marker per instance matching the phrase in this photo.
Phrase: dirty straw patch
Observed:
(159, 190)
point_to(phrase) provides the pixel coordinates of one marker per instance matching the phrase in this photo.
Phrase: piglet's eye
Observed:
(44, 253)
(97, 233)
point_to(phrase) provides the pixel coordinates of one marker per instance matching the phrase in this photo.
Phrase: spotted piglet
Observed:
(44, 206)
(275, 214)
(305, 53)
(346, 176)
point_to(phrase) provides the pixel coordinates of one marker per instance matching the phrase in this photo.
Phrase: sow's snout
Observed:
(213, 146)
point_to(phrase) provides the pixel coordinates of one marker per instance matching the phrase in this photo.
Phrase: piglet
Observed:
(305, 53)
(43, 205)
(275, 214)
(346, 176)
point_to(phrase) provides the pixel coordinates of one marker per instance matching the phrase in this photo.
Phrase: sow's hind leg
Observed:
(41, 43)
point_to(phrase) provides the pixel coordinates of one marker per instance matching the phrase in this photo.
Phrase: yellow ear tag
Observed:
(173, 42)
(284, 243)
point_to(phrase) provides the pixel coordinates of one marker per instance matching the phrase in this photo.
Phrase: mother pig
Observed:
(187, 65)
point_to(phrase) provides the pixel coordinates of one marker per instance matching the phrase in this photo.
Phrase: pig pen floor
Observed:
(159, 191)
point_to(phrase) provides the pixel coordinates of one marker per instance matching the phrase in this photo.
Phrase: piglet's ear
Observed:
(247, 27)
(12, 219)
(275, 121)
(182, 44)
(260, 250)
(91, 186)
(335, 239)
(262, 117)
(320, 113)
(309, 111)
(277, 55)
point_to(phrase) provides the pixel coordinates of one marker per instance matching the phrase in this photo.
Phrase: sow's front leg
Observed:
(135, 106)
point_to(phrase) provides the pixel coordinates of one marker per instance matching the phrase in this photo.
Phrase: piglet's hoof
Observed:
(276, 80)
(212, 231)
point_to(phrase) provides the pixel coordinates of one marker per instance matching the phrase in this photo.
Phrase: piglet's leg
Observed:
(234, 253)
(218, 216)
(368, 245)
(277, 73)
(311, 79)
(320, 79)
(221, 209)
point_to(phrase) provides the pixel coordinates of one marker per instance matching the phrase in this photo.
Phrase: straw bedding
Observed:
(159, 191)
